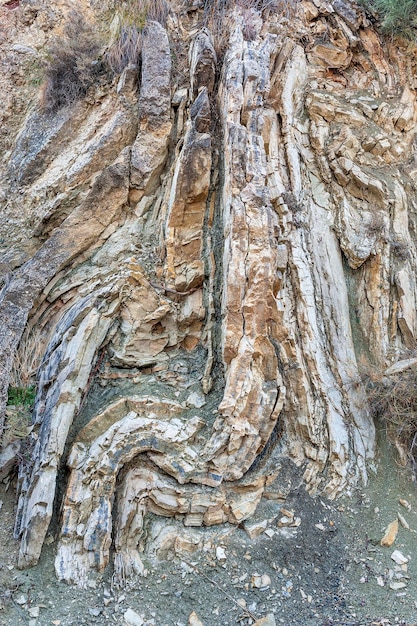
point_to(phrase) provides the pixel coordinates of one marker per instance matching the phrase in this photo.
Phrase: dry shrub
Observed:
(27, 360)
(126, 50)
(73, 64)
(132, 18)
(393, 400)
(216, 13)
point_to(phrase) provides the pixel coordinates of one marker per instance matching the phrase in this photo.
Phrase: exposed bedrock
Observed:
(217, 251)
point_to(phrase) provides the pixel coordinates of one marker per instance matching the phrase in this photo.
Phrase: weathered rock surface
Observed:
(208, 258)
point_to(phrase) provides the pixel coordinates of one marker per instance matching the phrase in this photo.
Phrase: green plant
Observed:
(21, 396)
(398, 17)
(73, 64)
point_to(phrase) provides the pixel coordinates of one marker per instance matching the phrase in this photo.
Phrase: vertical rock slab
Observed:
(150, 149)
(253, 394)
(187, 206)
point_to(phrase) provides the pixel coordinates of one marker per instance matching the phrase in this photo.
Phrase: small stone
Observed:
(397, 585)
(220, 554)
(403, 522)
(241, 602)
(95, 612)
(380, 581)
(269, 532)
(194, 620)
(405, 504)
(132, 618)
(399, 558)
(320, 526)
(255, 529)
(34, 611)
(196, 400)
(56, 622)
(261, 582)
(21, 599)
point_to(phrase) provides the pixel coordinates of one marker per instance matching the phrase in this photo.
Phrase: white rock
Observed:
(395, 586)
(34, 611)
(196, 399)
(398, 557)
(21, 599)
(132, 618)
(255, 529)
(261, 582)
(220, 554)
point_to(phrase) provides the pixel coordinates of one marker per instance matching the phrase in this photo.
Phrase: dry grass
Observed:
(27, 360)
(393, 400)
(132, 18)
(126, 50)
(216, 14)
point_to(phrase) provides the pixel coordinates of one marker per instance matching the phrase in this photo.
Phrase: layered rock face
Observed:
(208, 259)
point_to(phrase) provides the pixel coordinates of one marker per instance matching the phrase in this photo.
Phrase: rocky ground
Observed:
(323, 566)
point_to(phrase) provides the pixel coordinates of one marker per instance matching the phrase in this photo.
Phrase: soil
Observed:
(329, 571)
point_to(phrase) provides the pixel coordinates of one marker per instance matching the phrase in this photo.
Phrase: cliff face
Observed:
(196, 256)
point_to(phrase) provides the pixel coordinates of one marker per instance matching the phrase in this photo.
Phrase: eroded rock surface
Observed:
(209, 262)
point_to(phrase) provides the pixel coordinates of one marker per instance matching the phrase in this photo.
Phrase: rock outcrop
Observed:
(212, 250)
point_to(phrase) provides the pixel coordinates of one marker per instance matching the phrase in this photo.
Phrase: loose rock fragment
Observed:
(194, 620)
(220, 554)
(255, 529)
(132, 618)
(397, 585)
(261, 582)
(390, 534)
(399, 558)
(268, 620)
(34, 611)
(21, 599)
(403, 522)
(405, 504)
